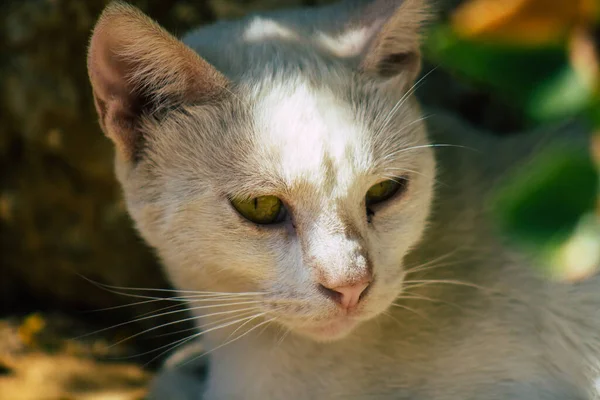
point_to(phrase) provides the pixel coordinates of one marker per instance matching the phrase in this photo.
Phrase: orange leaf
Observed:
(528, 22)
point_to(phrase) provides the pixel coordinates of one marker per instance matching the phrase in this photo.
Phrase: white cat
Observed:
(286, 179)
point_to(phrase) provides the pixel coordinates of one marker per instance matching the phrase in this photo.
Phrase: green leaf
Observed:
(562, 95)
(540, 205)
(539, 80)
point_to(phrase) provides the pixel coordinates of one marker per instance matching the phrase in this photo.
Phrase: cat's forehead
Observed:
(312, 133)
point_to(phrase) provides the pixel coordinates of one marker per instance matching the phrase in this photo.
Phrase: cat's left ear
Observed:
(384, 36)
(137, 69)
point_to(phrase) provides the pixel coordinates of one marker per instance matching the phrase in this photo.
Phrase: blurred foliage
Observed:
(543, 57)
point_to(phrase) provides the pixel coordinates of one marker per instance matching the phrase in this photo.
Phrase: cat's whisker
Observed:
(282, 338)
(406, 126)
(232, 340)
(425, 146)
(176, 322)
(416, 121)
(426, 282)
(393, 179)
(421, 282)
(265, 328)
(423, 268)
(180, 342)
(431, 263)
(244, 324)
(193, 292)
(388, 314)
(137, 303)
(413, 296)
(182, 306)
(181, 300)
(186, 304)
(405, 98)
(413, 311)
(388, 158)
(395, 176)
(166, 313)
(193, 299)
(412, 171)
(189, 302)
(196, 328)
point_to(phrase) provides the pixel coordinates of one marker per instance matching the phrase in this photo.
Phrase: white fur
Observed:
(304, 125)
(261, 29)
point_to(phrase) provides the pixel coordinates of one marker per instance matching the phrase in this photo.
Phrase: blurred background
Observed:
(504, 66)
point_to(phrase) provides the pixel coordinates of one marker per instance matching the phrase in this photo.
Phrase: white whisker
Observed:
(429, 263)
(285, 334)
(448, 282)
(196, 328)
(425, 146)
(176, 322)
(193, 292)
(388, 314)
(413, 311)
(412, 296)
(403, 99)
(181, 303)
(232, 340)
(183, 341)
(241, 326)
(163, 314)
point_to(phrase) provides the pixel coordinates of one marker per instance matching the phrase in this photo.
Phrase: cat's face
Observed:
(308, 193)
(319, 152)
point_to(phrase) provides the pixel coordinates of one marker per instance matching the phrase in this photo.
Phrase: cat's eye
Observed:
(261, 210)
(384, 191)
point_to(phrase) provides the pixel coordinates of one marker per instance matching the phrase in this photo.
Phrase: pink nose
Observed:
(346, 296)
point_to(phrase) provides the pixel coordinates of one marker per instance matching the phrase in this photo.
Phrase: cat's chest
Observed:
(473, 366)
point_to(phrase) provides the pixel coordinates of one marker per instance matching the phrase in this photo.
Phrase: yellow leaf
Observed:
(584, 57)
(528, 22)
(31, 326)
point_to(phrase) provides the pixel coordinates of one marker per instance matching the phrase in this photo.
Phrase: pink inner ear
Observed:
(135, 67)
(108, 72)
(113, 94)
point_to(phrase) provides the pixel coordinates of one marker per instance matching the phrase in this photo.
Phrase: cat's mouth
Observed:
(334, 325)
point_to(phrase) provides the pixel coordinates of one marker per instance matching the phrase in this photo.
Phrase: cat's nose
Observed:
(346, 296)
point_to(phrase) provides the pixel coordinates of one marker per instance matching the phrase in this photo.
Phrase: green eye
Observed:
(262, 210)
(384, 191)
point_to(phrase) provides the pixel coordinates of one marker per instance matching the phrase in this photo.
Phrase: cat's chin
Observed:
(331, 330)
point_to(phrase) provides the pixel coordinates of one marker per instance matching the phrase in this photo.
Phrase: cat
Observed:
(330, 241)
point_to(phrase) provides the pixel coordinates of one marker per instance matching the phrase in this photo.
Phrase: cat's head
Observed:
(307, 179)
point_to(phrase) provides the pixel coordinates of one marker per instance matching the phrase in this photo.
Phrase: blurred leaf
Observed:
(31, 326)
(514, 73)
(543, 81)
(560, 96)
(540, 206)
(522, 22)
(579, 256)
(542, 57)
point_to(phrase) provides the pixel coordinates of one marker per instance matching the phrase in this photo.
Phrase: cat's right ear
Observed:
(382, 37)
(136, 68)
